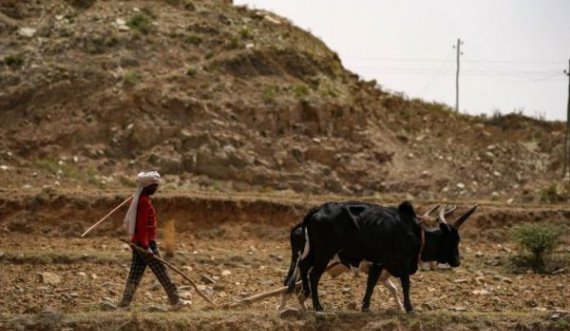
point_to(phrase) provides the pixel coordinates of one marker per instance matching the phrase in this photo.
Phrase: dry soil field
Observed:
(238, 246)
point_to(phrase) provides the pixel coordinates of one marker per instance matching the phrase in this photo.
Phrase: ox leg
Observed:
(405, 280)
(385, 278)
(304, 266)
(373, 275)
(314, 277)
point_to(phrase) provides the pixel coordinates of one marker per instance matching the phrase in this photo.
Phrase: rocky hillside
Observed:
(220, 97)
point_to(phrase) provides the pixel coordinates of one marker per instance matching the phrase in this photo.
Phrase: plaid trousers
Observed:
(138, 266)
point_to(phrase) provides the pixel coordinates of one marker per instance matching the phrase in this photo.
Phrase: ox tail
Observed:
(297, 240)
(306, 253)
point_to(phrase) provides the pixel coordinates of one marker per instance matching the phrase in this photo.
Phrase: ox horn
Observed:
(431, 210)
(464, 217)
(444, 212)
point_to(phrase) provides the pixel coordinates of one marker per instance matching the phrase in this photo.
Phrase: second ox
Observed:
(392, 239)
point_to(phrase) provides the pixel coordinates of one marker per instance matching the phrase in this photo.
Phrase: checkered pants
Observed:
(138, 266)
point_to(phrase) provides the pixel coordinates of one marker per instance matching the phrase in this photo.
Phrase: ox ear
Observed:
(406, 211)
(464, 217)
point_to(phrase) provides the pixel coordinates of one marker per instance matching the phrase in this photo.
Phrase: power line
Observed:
(390, 59)
(480, 71)
(438, 75)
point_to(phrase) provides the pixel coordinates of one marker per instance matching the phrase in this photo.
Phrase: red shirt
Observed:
(145, 230)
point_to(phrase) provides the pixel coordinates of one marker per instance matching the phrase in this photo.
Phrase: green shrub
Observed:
(140, 22)
(13, 61)
(301, 91)
(233, 43)
(193, 39)
(269, 94)
(191, 71)
(537, 239)
(549, 195)
(245, 33)
(132, 78)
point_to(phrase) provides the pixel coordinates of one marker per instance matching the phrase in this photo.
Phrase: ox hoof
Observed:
(365, 310)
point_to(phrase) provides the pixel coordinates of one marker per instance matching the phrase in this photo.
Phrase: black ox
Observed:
(298, 241)
(391, 239)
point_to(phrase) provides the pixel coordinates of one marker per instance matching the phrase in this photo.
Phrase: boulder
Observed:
(289, 313)
(49, 278)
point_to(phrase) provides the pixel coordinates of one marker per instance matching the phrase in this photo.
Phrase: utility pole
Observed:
(458, 47)
(566, 152)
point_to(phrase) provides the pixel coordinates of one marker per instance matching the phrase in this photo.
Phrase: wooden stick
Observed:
(260, 296)
(106, 216)
(161, 260)
(334, 270)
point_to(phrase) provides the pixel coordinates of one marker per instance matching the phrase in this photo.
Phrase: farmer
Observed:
(140, 223)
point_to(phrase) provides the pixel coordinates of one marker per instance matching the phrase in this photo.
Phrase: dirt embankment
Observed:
(69, 214)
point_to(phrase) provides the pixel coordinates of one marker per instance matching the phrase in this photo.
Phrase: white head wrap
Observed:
(144, 179)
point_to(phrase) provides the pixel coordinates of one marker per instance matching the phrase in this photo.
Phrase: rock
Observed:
(185, 295)
(507, 280)
(108, 306)
(352, 306)
(560, 313)
(289, 313)
(27, 32)
(428, 306)
(49, 278)
(272, 19)
(187, 268)
(461, 280)
(559, 271)
(155, 286)
(4, 167)
(479, 254)
(443, 266)
(268, 282)
(481, 292)
(81, 274)
(555, 316)
(226, 273)
(493, 262)
(458, 308)
(503, 248)
(157, 309)
(276, 257)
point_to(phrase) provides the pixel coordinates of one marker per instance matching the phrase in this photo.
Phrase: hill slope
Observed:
(219, 97)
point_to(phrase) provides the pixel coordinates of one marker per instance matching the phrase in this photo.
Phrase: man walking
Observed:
(140, 223)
